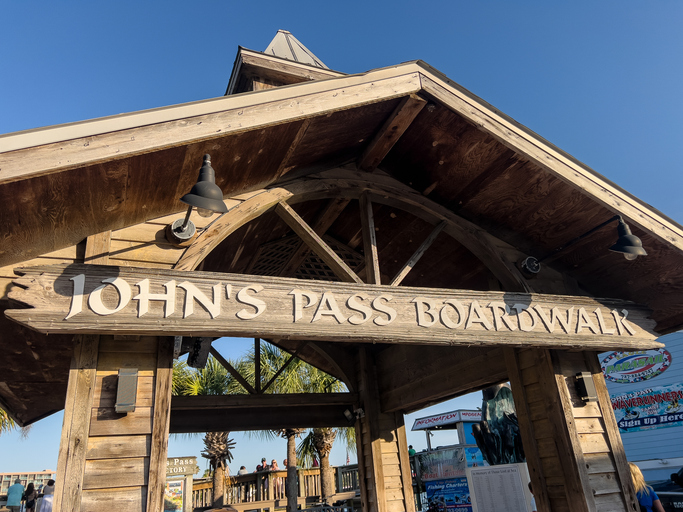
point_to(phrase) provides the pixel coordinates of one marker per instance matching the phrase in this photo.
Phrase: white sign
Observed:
(499, 488)
(448, 418)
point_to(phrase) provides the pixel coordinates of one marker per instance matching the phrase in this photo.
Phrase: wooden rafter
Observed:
(325, 220)
(391, 131)
(369, 240)
(283, 168)
(317, 245)
(231, 369)
(257, 364)
(417, 255)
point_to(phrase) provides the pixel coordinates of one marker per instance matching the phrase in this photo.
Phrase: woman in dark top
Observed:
(30, 495)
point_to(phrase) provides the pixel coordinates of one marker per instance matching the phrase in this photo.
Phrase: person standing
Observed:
(411, 451)
(646, 495)
(14, 495)
(31, 495)
(48, 495)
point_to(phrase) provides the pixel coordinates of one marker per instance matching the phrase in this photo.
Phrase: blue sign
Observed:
(448, 495)
(650, 408)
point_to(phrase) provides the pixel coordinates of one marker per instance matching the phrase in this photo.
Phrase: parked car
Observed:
(670, 492)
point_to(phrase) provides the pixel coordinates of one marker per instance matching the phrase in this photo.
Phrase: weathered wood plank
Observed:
(228, 304)
(77, 422)
(127, 498)
(161, 424)
(97, 248)
(118, 447)
(106, 421)
(369, 240)
(107, 473)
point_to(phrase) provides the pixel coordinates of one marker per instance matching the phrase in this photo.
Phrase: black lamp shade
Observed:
(628, 244)
(205, 193)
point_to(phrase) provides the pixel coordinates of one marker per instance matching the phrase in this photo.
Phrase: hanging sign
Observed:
(637, 366)
(118, 300)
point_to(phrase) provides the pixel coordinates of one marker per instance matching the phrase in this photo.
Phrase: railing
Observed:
(269, 486)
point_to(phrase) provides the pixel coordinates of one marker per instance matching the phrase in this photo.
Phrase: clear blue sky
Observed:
(601, 80)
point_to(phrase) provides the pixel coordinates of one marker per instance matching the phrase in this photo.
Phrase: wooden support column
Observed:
(383, 462)
(108, 460)
(574, 452)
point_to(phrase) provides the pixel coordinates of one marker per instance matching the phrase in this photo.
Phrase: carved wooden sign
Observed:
(125, 300)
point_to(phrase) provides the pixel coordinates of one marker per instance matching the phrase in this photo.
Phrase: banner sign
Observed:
(124, 300)
(448, 495)
(631, 367)
(651, 408)
(448, 418)
(173, 496)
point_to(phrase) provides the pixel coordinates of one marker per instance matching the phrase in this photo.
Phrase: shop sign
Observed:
(648, 409)
(179, 466)
(102, 299)
(448, 418)
(448, 495)
(635, 366)
(440, 464)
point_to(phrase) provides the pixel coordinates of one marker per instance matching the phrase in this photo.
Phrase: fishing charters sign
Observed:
(126, 300)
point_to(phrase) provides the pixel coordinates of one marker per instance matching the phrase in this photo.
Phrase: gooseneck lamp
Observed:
(627, 244)
(206, 196)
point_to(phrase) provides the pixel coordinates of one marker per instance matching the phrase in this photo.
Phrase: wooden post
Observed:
(383, 450)
(76, 424)
(573, 448)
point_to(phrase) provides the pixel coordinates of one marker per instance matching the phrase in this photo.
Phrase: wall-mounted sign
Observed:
(651, 408)
(446, 419)
(178, 466)
(636, 366)
(119, 300)
(448, 495)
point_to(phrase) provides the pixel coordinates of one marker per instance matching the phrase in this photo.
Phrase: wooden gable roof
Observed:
(407, 123)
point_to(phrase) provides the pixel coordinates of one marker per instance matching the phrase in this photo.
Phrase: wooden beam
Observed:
(317, 245)
(324, 221)
(238, 377)
(369, 240)
(274, 400)
(160, 426)
(277, 373)
(283, 168)
(97, 248)
(395, 126)
(76, 425)
(257, 364)
(418, 254)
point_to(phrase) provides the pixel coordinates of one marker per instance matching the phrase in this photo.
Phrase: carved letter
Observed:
(193, 293)
(384, 308)
(621, 322)
(555, 317)
(501, 312)
(311, 298)
(95, 299)
(77, 297)
(446, 320)
(420, 302)
(329, 303)
(475, 309)
(144, 297)
(583, 320)
(354, 305)
(244, 297)
(523, 308)
(601, 322)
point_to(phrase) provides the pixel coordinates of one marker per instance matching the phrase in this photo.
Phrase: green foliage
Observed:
(7, 424)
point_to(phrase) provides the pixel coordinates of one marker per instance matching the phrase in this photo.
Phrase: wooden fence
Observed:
(266, 490)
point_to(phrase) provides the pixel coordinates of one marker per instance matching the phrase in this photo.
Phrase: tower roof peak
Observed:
(286, 46)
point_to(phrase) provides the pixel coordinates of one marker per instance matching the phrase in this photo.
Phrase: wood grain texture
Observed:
(390, 132)
(161, 425)
(330, 311)
(118, 447)
(369, 241)
(77, 420)
(125, 498)
(108, 473)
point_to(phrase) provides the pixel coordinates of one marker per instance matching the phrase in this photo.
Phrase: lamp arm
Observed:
(182, 228)
(578, 238)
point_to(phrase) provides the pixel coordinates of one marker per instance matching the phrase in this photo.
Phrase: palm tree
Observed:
(300, 377)
(213, 379)
(218, 448)
(7, 424)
